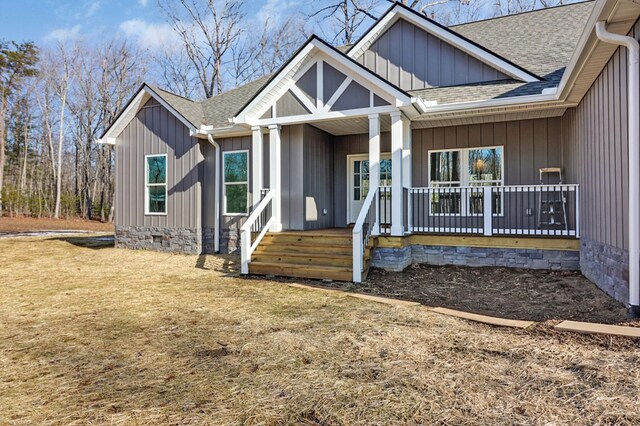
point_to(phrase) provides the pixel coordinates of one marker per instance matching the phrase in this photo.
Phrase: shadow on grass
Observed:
(227, 264)
(95, 242)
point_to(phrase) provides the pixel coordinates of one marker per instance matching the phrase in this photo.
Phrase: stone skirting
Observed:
(230, 241)
(396, 259)
(607, 266)
(174, 240)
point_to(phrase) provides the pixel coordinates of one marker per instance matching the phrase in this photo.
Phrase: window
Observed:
(361, 177)
(471, 167)
(236, 182)
(156, 184)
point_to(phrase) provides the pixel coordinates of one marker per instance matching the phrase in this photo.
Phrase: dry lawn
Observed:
(92, 335)
(26, 224)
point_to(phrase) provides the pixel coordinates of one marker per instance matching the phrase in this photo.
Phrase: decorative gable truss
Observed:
(320, 83)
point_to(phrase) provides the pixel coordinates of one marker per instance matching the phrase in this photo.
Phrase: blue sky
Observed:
(46, 21)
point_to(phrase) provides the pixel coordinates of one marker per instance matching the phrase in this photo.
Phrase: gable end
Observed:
(413, 59)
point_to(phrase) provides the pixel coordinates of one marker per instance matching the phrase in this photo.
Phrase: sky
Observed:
(47, 21)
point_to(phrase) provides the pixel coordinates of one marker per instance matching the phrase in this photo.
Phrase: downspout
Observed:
(633, 119)
(216, 214)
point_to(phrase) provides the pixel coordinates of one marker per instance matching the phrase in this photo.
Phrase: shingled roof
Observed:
(189, 109)
(540, 41)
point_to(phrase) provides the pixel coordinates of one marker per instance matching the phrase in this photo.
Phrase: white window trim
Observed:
(224, 184)
(465, 182)
(147, 185)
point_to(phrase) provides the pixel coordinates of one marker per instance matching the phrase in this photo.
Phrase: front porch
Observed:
(337, 147)
(325, 216)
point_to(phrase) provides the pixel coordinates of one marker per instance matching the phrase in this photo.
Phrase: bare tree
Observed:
(61, 83)
(256, 56)
(208, 29)
(345, 17)
(176, 72)
(107, 75)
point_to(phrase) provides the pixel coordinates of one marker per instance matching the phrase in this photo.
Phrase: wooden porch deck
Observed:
(328, 253)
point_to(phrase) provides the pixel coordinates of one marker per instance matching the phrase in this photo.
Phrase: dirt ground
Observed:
(503, 292)
(95, 335)
(27, 224)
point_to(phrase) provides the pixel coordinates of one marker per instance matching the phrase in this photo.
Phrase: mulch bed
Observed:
(503, 292)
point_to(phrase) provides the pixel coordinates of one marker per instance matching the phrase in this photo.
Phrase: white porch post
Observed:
(407, 176)
(397, 166)
(374, 165)
(257, 148)
(275, 175)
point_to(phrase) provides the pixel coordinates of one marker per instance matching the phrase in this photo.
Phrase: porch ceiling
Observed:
(352, 126)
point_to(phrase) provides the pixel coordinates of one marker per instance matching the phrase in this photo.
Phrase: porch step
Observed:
(322, 254)
(312, 239)
(312, 259)
(308, 249)
(335, 273)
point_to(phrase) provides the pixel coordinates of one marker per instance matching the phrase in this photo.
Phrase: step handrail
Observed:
(246, 246)
(361, 234)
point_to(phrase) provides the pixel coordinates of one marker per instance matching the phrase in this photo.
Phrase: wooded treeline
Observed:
(55, 101)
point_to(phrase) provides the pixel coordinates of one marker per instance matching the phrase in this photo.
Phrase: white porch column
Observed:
(397, 165)
(374, 165)
(257, 149)
(275, 175)
(407, 176)
(406, 153)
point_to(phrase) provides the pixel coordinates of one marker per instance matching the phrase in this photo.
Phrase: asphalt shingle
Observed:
(541, 41)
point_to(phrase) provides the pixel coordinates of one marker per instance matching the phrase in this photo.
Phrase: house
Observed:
(499, 142)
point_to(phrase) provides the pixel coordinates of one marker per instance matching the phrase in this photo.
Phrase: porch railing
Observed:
(255, 227)
(364, 227)
(534, 210)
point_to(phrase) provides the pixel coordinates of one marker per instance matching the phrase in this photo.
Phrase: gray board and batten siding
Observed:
(413, 59)
(598, 157)
(154, 130)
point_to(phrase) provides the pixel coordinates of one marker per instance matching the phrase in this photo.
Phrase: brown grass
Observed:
(99, 335)
(25, 224)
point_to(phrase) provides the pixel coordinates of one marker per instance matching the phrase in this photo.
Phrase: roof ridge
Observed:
(526, 12)
(154, 87)
(237, 87)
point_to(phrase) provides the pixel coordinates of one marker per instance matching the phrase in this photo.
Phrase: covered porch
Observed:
(335, 146)
(349, 207)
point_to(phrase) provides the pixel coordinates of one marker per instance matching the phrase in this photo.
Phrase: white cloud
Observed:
(143, 3)
(272, 10)
(64, 34)
(92, 8)
(150, 35)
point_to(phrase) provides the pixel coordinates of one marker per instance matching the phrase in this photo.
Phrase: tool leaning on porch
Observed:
(552, 203)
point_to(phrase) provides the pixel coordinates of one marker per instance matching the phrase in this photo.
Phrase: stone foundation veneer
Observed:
(607, 266)
(174, 240)
(397, 259)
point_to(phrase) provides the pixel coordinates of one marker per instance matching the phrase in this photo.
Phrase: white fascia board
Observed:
(193, 130)
(132, 109)
(242, 116)
(325, 116)
(224, 132)
(493, 103)
(397, 97)
(125, 118)
(363, 76)
(477, 52)
(586, 44)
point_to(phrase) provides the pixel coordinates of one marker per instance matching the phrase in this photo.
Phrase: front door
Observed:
(358, 181)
